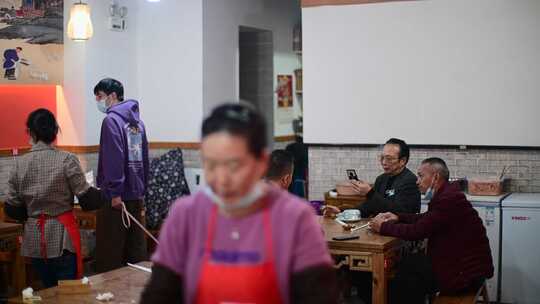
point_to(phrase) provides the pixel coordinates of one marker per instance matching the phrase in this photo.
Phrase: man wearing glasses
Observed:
(395, 190)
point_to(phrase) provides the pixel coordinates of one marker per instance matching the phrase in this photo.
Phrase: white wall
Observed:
(221, 22)
(110, 54)
(71, 104)
(158, 58)
(106, 54)
(455, 72)
(170, 52)
(284, 64)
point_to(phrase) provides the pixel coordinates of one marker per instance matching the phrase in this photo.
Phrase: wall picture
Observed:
(32, 41)
(284, 91)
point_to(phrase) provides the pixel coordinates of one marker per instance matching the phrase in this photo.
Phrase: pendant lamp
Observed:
(80, 25)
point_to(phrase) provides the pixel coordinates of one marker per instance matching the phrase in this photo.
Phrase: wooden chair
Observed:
(472, 297)
(12, 267)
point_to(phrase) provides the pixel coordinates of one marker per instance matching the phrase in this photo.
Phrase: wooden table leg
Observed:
(19, 271)
(380, 282)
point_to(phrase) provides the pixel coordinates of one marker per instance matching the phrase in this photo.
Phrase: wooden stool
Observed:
(472, 297)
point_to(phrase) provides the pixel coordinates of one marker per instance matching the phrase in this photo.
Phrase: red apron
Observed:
(68, 220)
(225, 283)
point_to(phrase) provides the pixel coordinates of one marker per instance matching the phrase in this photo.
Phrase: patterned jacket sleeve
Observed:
(75, 175)
(15, 207)
(13, 188)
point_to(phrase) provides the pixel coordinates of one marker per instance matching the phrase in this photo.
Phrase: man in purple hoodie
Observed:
(122, 176)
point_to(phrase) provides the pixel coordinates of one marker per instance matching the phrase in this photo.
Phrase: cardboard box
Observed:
(345, 188)
(490, 187)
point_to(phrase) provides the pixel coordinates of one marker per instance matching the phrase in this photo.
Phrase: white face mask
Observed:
(430, 191)
(429, 194)
(102, 105)
(249, 199)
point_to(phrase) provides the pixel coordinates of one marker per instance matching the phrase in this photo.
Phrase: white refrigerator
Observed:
(488, 208)
(520, 272)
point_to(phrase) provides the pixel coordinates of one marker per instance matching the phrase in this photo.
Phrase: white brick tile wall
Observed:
(328, 164)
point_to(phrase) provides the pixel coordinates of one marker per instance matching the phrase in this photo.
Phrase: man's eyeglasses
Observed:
(387, 159)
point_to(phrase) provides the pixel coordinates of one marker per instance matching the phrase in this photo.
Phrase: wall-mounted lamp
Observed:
(117, 20)
(80, 25)
(117, 11)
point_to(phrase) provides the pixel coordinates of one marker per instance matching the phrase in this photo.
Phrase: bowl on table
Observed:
(349, 216)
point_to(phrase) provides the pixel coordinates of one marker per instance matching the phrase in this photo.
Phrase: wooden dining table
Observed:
(126, 284)
(370, 252)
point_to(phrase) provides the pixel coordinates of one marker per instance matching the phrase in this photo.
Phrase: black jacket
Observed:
(402, 195)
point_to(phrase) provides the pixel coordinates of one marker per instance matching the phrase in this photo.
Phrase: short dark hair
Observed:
(439, 165)
(109, 86)
(281, 164)
(19, 48)
(404, 151)
(42, 126)
(239, 120)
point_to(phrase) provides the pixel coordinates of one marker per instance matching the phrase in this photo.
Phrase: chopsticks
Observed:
(140, 267)
(360, 227)
(354, 229)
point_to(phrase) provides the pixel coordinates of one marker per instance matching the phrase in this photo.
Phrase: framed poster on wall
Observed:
(32, 41)
(284, 91)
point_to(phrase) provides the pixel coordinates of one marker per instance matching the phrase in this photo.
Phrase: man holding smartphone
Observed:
(395, 190)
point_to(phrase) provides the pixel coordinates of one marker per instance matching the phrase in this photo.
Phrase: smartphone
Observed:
(351, 173)
(345, 237)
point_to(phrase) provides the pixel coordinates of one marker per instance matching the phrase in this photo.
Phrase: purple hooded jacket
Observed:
(123, 153)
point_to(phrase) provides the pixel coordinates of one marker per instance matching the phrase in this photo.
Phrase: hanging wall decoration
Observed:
(284, 91)
(31, 41)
